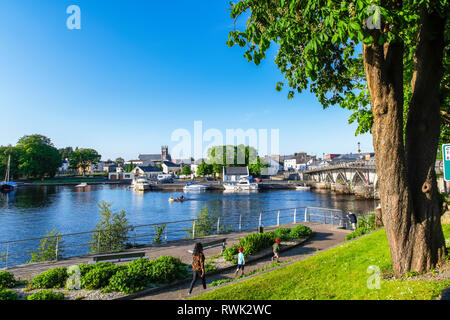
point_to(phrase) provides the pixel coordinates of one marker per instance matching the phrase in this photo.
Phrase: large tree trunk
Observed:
(406, 180)
(422, 135)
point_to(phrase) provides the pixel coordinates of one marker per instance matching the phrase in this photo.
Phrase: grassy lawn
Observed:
(338, 273)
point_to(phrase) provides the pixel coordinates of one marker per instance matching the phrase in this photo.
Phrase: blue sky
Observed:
(137, 71)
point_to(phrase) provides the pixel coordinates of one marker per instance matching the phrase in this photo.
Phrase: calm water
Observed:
(30, 211)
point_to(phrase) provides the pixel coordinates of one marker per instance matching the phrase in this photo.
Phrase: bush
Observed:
(6, 294)
(46, 295)
(140, 273)
(98, 276)
(284, 234)
(357, 233)
(205, 224)
(47, 249)
(167, 269)
(252, 243)
(51, 279)
(7, 280)
(111, 231)
(300, 231)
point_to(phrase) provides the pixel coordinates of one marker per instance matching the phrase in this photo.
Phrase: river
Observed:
(31, 211)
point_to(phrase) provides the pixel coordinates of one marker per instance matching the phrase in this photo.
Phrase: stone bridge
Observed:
(358, 178)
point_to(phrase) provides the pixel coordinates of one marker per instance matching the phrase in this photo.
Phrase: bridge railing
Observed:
(17, 252)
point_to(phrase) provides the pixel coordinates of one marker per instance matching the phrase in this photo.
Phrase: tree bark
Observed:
(406, 178)
(422, 136)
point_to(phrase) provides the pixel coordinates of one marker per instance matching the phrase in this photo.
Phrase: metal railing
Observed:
(80, 244)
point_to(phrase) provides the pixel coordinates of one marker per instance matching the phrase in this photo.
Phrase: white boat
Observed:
(243, 184)
(82, 185)
(141, 184)
(303, 188)
(194, 187)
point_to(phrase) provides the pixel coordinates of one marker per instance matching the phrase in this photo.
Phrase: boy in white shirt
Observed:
(241, 262)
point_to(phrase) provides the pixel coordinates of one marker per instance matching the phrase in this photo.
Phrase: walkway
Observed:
(325, 237)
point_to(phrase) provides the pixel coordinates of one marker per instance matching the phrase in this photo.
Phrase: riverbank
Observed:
(347, 271)
(178, 249)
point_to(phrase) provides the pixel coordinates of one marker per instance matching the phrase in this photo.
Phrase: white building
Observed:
(150, 172)
(234, 173)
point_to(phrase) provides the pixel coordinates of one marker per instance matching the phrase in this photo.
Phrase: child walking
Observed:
(241, 262)
(276, 250)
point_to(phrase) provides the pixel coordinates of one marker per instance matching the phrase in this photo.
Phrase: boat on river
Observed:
(81, 185)
(244, 184)
(191, 186)
(303, 188)
(141, 184)
(7, 186)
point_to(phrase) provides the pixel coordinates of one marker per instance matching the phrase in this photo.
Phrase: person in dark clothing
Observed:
(198, 266)
(353, 220)
(276, 250)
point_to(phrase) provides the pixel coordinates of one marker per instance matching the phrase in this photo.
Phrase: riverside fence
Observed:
(18, 252)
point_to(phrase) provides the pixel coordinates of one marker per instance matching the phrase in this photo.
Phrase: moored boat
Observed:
(194, 187)
(7, 186)
(243, 184)
(303, 188)
(141, 184)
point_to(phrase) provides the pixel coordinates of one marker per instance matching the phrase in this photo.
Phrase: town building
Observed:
(231, 174)
(155, 159)
(170, 167)
(120, 176)
(150, 172)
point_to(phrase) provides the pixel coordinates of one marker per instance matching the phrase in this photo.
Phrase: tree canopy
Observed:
(38, 157)
(84, 158)
(319, 47)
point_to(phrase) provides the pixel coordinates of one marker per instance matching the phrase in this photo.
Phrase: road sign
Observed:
(446, 159)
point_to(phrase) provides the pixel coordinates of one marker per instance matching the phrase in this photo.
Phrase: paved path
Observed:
(324, 238)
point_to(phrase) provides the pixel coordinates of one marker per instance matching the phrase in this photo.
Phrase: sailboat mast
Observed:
(7, 169)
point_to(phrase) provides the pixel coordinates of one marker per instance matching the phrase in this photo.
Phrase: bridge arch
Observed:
(340, 178)
(359, 179)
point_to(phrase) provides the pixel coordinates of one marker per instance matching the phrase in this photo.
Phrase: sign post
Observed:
(446, 159)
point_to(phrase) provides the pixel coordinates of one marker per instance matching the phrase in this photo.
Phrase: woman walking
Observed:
(198, 266)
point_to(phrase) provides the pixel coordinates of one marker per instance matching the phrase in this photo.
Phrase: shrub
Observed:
(167, 269)
(230, 253)
(7, 280)
(51, 279)
(111, 231)
(98, 276)
(300, 231)
(46, 295)
(140, 273)
(251, 244)
(357, 233)
(283, 234)
(127, 282)
(205, 224)
(7, 294)
(47, 249)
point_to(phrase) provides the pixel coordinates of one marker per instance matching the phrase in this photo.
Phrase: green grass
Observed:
(338, 273)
